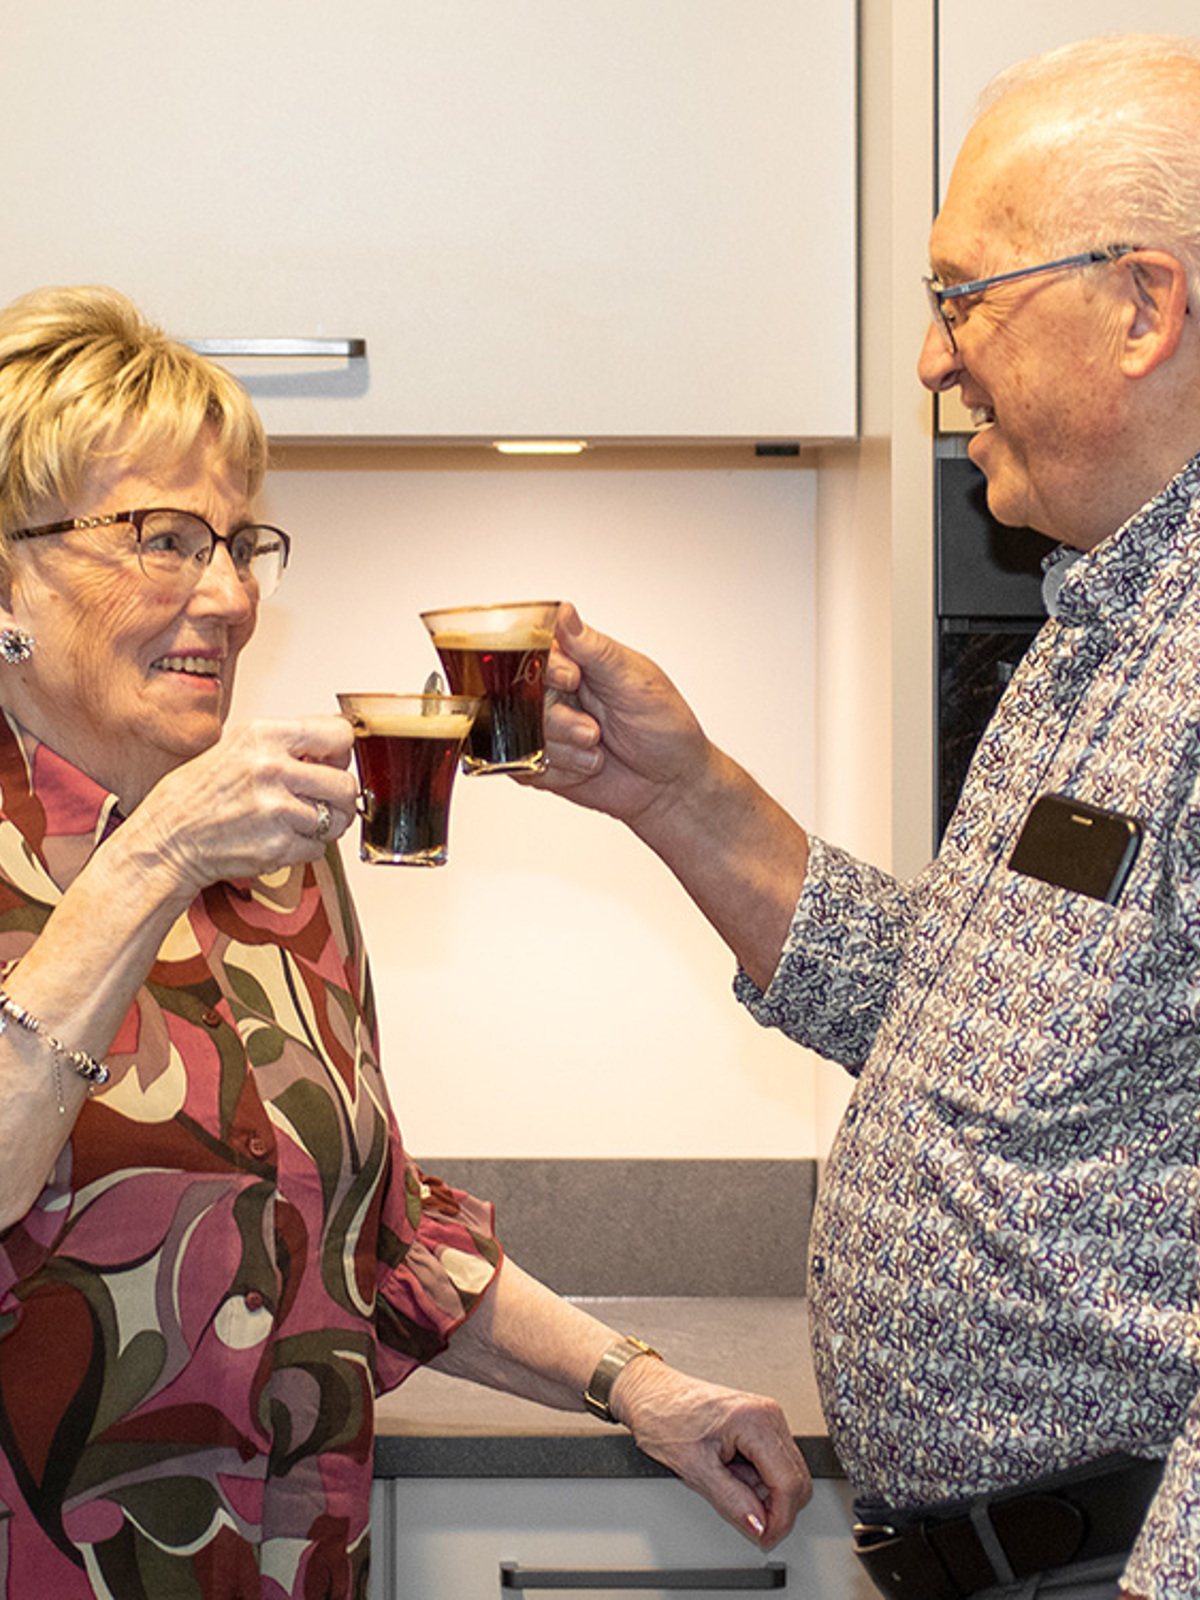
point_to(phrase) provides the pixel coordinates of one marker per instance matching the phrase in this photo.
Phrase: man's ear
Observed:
(1158, 309)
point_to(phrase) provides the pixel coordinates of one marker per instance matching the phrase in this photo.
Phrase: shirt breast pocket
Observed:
(1049, 999)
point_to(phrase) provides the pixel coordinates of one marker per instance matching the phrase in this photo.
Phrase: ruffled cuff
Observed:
(433, 1272)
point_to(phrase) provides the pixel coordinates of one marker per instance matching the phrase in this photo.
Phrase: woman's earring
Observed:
(16, 646)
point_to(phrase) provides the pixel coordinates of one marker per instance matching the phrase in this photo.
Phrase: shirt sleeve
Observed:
(1165, 1564)
(840, 958)
(438, 1256)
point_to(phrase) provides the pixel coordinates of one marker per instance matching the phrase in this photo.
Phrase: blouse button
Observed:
(257, 1145)
(210, 1018)
(254, 1300)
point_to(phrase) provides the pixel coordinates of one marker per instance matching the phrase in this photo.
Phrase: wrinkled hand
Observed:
(735, 1449)
(619, 735)
(251, 804)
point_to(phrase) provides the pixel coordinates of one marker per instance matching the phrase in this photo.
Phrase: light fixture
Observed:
(539, 447)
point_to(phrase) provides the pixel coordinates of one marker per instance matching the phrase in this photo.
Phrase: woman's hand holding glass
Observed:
(265, 796)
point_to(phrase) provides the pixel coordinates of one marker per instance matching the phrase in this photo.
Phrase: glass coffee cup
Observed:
(407, 749)
(498, 654)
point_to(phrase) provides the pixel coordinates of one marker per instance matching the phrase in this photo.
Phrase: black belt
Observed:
(953, 1550)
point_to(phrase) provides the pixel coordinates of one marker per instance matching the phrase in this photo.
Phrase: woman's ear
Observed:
(1157, 288)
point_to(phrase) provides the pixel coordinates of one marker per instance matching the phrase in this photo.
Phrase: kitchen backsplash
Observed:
(649, 1227)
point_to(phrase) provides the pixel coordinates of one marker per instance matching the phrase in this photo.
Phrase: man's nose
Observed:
(938, 367)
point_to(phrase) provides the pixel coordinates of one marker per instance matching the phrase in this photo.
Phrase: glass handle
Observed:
(354, 349)
(723, 1579)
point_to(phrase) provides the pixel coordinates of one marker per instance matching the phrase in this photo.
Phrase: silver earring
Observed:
(16, 646)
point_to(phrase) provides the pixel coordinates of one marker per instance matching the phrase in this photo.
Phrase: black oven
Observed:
(988, 609)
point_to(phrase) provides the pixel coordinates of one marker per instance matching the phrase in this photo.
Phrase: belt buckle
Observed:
(901, 1563)
(866, 1534)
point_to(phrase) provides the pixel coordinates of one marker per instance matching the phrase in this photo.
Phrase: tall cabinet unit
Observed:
(610, 219)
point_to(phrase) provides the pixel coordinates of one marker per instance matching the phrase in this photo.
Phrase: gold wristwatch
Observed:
(614, 1361)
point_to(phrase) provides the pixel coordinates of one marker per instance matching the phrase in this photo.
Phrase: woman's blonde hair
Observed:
(84, 376)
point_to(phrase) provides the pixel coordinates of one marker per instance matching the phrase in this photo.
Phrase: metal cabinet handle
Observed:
(355, 349)
(727, 1579)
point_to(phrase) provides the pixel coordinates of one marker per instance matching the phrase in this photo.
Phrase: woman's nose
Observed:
(938, 367)
(220, 584)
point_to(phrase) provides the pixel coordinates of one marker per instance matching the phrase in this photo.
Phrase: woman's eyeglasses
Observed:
(175, 547)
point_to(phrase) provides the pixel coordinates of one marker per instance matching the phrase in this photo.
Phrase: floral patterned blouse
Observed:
(1005, 1267)
(232, 1255)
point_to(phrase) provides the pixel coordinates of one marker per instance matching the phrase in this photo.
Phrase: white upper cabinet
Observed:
(618, 219)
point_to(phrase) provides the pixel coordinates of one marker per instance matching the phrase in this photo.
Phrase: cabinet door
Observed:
(606, 218)
(482, 1539)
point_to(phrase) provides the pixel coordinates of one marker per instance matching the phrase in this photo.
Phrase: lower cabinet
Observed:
(488, 1538)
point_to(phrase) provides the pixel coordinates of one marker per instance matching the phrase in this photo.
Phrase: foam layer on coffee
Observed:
(518, 637)
(410, 725)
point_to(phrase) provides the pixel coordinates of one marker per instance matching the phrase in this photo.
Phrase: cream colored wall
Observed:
(552, 991)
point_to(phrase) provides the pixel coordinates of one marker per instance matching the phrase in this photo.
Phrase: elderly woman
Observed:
(213, 1248)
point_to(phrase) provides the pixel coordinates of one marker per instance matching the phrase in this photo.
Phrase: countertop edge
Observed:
(494, 1455)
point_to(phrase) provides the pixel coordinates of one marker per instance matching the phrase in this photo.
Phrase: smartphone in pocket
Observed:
(1076, 846)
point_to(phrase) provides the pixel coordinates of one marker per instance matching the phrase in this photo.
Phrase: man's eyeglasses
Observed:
(175, 547)
(942, 297)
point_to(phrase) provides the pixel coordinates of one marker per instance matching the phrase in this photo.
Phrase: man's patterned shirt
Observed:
(1004, 1258)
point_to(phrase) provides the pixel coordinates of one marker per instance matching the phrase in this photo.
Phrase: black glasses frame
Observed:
(136, 518)
(940, 293)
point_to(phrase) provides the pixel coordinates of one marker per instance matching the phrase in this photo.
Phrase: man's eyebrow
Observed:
(950, 272)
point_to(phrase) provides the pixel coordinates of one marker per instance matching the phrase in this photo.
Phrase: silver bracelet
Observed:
(79, 1061)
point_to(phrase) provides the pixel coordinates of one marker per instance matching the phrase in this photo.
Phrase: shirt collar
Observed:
(61, 812)
(1110, 581)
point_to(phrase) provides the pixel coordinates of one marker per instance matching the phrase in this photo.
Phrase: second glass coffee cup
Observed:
(498, 653)
(407, 748)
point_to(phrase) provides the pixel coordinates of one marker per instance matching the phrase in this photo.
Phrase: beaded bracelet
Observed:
(78, 1060)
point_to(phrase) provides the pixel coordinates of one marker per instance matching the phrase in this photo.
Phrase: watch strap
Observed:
(613, 1362)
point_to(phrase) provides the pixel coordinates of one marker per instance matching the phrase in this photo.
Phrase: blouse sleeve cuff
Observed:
(440, 1277)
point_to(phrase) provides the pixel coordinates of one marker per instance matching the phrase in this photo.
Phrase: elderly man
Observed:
(1004, 1259)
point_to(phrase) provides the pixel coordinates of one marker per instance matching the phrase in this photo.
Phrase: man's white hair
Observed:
(1122, 114)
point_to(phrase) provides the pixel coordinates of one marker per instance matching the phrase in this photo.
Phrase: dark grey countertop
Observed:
(437, 1426)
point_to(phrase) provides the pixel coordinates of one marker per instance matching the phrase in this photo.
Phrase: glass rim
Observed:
(490, 608)
(455, 704)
